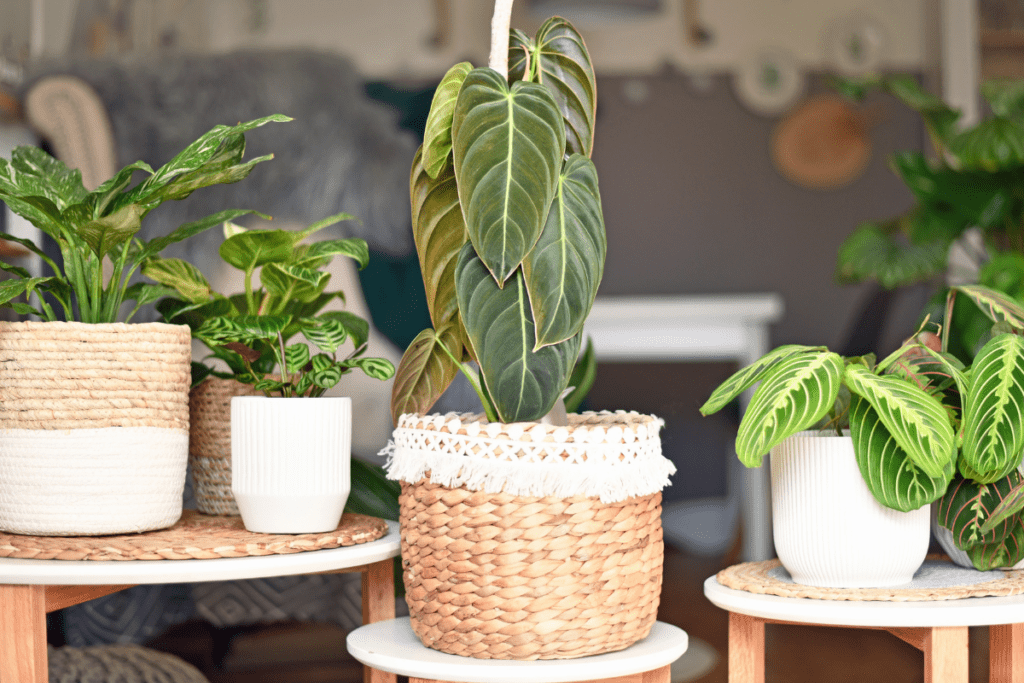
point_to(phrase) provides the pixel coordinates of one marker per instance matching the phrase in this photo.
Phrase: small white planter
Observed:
(829, 529)
(290, 462)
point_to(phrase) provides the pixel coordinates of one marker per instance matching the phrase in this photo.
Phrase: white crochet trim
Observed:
(612, 456)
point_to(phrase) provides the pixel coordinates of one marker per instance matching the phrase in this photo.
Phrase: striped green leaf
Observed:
(993, 414)
(995, 304)
(564, 269)
(377, 368)
(293, 283)
(1011, 504)
(295, 357)
(437, 135)
(508, 145)
(1002, 554)
(558, 59)
(522, 383)
(749, 376)
(425, 371)
(795, 393)
(916, 420)
(966, 507)
(892, 478)
(328, 334)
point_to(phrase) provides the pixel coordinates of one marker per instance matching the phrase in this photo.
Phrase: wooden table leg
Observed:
(1006, 653)
(23, 634)
(946, 655)
(746, 649)
(378, 594)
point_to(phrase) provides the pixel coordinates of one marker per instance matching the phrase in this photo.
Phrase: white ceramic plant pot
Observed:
(290, 462)
(829, 529)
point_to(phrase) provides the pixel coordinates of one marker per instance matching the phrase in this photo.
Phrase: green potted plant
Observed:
(290, 446)
(95, 411)
(972, 180)
(508, 225)
(849, 501)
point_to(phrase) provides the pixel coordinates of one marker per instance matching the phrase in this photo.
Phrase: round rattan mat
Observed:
(769, 578)
(194, 537)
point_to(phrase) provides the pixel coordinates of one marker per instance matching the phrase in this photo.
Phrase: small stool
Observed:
(393, 647)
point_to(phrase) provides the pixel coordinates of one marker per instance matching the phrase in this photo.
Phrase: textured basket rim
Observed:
(609, 455)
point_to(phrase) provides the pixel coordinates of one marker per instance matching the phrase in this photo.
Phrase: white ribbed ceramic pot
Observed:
(290, 461)
(829, 529)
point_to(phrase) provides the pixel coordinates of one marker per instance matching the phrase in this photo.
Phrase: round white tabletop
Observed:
(963, 612)
(392, 646)
(91, 573)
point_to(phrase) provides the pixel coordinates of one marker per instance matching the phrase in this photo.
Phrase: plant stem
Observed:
(500, 22)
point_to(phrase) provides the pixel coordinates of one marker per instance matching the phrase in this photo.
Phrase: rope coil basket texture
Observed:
(209, 443)
(529, 541)
(94, 423)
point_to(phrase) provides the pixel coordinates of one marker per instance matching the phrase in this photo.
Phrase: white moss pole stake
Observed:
(500, 23)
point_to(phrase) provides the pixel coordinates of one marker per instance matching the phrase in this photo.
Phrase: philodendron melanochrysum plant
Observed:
(89, 227)
(508, 225)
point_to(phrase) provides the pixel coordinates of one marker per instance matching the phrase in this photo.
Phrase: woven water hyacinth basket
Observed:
(529, 541)
(209, 443)
(93, 427)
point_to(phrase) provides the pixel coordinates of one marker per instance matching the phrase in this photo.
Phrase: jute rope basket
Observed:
(528, 541)
(209, 443)
(93, 426)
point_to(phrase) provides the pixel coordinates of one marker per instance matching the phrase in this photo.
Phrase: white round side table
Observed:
(393, 647)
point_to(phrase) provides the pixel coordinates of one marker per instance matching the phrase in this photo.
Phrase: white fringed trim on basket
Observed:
(611, 456)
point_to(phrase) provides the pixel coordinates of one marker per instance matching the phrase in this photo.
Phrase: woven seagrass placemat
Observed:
(194, 537)
(938, 579)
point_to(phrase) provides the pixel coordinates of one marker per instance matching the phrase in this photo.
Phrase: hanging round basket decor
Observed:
(530, 541)
(93, 427)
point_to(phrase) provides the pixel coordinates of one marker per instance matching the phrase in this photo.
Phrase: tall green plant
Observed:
(93, 227)
(508, 226)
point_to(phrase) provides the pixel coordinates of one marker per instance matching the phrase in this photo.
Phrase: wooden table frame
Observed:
(23, 610)
(944, 644)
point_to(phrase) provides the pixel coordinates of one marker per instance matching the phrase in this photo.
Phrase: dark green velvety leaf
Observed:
(437, 135)
(181, 275)
(564, 269)
(582, 378)
(425, 371)
(523, 383)
(372, 493)
(439, 231)
(993, 413)
(508, 146)
(558, 58)
(967, 505)
(892, 478)
(968, 197)
(199, 373)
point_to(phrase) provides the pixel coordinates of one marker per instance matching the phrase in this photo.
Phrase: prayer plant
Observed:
(91, 228)
(924, 427)
(508, 224)
(252, 332)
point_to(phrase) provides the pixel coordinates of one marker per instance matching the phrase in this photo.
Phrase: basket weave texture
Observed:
(497, 575)
(209, 443)
(68, 375)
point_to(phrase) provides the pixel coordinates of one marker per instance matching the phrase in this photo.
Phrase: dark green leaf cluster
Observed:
(252, 332)
(90, 227)
(509, 229)
(974, 179)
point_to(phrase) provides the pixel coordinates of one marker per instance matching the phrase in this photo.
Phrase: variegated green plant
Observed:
(508, 226)
(91, 228)
(902, 435)
(252, 332)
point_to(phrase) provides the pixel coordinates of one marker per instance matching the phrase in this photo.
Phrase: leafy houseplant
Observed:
(973, 179)
(253, 334)
(84, 398)
(508, 227)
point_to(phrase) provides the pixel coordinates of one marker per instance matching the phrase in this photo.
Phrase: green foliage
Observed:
(90, 227)
(252, 332)
(509, 229)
